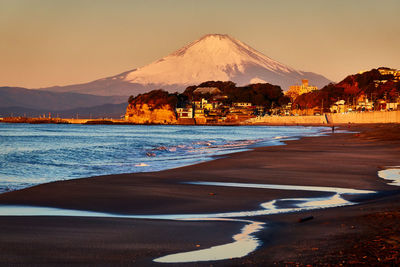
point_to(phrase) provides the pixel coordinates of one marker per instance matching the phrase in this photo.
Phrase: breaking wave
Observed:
(34, 154)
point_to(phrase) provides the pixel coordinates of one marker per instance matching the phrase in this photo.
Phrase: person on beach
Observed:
(333, 129)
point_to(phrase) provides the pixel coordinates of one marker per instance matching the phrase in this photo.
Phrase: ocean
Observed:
(32, 154)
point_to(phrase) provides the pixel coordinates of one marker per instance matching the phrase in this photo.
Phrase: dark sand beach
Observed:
(367, 233)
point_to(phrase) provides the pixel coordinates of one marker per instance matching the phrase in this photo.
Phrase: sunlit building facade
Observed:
(296, 90)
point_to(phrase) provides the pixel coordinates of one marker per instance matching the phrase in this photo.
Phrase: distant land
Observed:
(113, 111)
(376, 86)
(214, 57)
(15, 101)
(249, 84)
(218, 102)
(212, 102)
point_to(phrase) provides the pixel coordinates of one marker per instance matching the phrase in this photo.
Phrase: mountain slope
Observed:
(115, 111)
(44, 100)
(212, 57)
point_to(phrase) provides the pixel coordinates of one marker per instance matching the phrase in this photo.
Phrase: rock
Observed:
(305, 219)
(145, 114)
(155, 107)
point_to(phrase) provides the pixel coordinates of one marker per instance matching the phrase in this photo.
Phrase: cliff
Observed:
(145, 114)
(155, 107)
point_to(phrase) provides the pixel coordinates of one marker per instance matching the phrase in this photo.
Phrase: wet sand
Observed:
(348, 160)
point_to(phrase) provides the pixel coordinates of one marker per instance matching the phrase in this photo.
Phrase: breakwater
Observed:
(61, 120)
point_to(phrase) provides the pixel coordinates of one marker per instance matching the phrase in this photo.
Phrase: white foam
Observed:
(141, 165)
(392, 174)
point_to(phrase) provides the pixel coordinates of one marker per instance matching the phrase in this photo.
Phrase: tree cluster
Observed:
(261, 94)
(155, 99)
(264, 94)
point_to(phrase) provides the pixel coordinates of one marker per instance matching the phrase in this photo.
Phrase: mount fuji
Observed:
(214, 57)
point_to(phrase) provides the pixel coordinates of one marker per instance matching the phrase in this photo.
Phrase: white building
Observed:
(242, 104)
(185, 113)
(207, 90)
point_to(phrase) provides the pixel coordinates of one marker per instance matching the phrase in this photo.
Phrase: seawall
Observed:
(365, 117)
(288, 120)
(326, 119)
(356, 117)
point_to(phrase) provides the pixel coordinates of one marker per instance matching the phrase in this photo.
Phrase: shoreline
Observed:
(182, 152)
(358, 118)
(122, 122)
(339, 160)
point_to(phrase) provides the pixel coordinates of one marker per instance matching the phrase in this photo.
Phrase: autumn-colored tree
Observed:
(155, 99)
(372, 84)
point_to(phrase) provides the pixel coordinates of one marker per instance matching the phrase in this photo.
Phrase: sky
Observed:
(55, 42)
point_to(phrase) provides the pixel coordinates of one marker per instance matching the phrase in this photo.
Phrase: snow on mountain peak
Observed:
(212, 57)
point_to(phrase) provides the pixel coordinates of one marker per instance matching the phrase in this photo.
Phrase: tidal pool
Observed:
(392, 174)
(243, 243)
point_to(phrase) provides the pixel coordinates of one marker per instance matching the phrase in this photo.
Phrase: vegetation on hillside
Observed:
(262, 94)
(155, 99)
(371, 84)
(265, 94)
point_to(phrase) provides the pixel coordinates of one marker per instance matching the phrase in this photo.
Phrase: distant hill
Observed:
(44, 100)
(214, 57)
(375, 84)
(114, 111)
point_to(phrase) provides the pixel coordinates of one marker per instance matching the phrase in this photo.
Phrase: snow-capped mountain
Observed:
(212, 57)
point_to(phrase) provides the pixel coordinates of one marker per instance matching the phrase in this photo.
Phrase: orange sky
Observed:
(45, 42)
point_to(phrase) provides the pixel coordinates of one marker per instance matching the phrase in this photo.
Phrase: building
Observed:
(207, 90)
(211, 105)
(384, 105)
(200, 104)
(207, 105)
(394, 72)
(296, 90)
(199, 113)
(220, 97)
(392, 106)
(387, 71)
(184, 113)
(339, 107)
(364, 104)
(379, 82)
(242, 104)
(286, 110)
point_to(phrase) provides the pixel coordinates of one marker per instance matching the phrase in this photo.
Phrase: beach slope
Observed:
(348, 160)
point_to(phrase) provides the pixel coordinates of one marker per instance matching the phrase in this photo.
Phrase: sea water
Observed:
(32, 154)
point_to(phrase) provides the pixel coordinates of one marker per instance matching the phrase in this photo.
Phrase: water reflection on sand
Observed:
(392, 174)
(244, 243)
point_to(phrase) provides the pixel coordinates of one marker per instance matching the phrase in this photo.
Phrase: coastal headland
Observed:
(366, 233)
